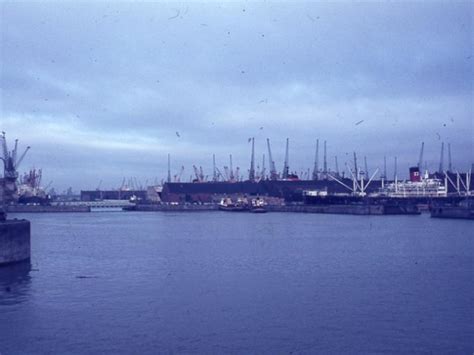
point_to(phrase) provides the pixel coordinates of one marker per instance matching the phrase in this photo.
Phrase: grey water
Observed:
(220, 282)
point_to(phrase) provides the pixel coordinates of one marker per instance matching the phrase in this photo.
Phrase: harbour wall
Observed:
(42, 209)
(333, 209)
(15, 242)
(173, 208)
(356, 209)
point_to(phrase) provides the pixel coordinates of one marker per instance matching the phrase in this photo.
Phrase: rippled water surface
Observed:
(219, 282)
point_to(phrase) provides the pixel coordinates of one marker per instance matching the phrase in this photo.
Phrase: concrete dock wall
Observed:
(174, 208)
(14, 241)
(332, 209)
(44, 209)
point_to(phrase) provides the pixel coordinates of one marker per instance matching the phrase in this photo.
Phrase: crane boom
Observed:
(420, 160)
(273, 173)
(316, 162)
(286, 168)
(450, 165)
(22, 157)
(441, 160)
(252, 162)
(196, 172)
(325, 162)
(14, 153)
(4, 146)
(231, 169)
(214, 172)
(356, 169)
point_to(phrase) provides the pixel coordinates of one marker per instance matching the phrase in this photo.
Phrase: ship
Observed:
(418, 186)
(257, 205)
(30, 191)
(239, 205)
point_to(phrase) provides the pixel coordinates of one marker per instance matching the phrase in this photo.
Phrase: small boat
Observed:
(227, 204)
(257, 205)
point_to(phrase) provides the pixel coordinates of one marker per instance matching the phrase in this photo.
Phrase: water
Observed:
(220, 282)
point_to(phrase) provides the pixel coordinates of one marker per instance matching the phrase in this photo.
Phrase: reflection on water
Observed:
(14, 283)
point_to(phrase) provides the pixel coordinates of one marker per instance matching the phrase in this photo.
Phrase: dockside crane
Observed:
(15, 150)
(201, 174)
(325, 162)
(441, 160)
(420, 159)
(10, 161)
(219, 174)
(395, 173)
(214, 171)
(196, 173)
(252, 163)
(316, 162)
(356, 169)
(226, 172)
(366, 167)
(384, 176)
(273, 173)
(169, 169)
(231, 173)
(286, 168)
(450, 166)
(177, 177)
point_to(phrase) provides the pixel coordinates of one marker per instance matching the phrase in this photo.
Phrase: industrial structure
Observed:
(11, 162)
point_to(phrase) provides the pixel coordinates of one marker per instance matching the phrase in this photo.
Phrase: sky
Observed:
(103, 91)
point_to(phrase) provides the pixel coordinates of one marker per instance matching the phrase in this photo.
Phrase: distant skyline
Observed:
(103, 90)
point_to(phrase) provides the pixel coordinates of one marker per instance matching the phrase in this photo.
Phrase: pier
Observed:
(14, 241)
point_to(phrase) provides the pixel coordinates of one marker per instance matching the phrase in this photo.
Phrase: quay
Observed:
(73, 206)
(15, 244)
(355, 209)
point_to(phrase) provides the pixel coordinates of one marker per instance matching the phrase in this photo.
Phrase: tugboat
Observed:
(257, 205)
(227, 204)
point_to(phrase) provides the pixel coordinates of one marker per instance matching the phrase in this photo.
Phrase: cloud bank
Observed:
(103, 91)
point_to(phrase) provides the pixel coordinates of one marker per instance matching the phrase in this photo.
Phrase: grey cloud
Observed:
(135, 74)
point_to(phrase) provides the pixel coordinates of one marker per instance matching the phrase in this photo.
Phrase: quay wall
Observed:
(14, 241)
(336, 209)
(42, 209)
(175, 208)
(333, 209)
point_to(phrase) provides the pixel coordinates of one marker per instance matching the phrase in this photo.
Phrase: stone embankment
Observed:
(14, 241)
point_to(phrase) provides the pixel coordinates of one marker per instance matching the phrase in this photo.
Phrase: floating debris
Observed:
(86, 277)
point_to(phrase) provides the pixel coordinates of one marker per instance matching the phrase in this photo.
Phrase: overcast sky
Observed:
(103, 91)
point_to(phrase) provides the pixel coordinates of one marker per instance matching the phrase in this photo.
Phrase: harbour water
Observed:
(217, 282)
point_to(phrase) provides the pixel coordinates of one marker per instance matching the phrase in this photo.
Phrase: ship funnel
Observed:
(415, 174)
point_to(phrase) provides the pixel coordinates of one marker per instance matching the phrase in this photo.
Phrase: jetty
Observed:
(15, 236)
